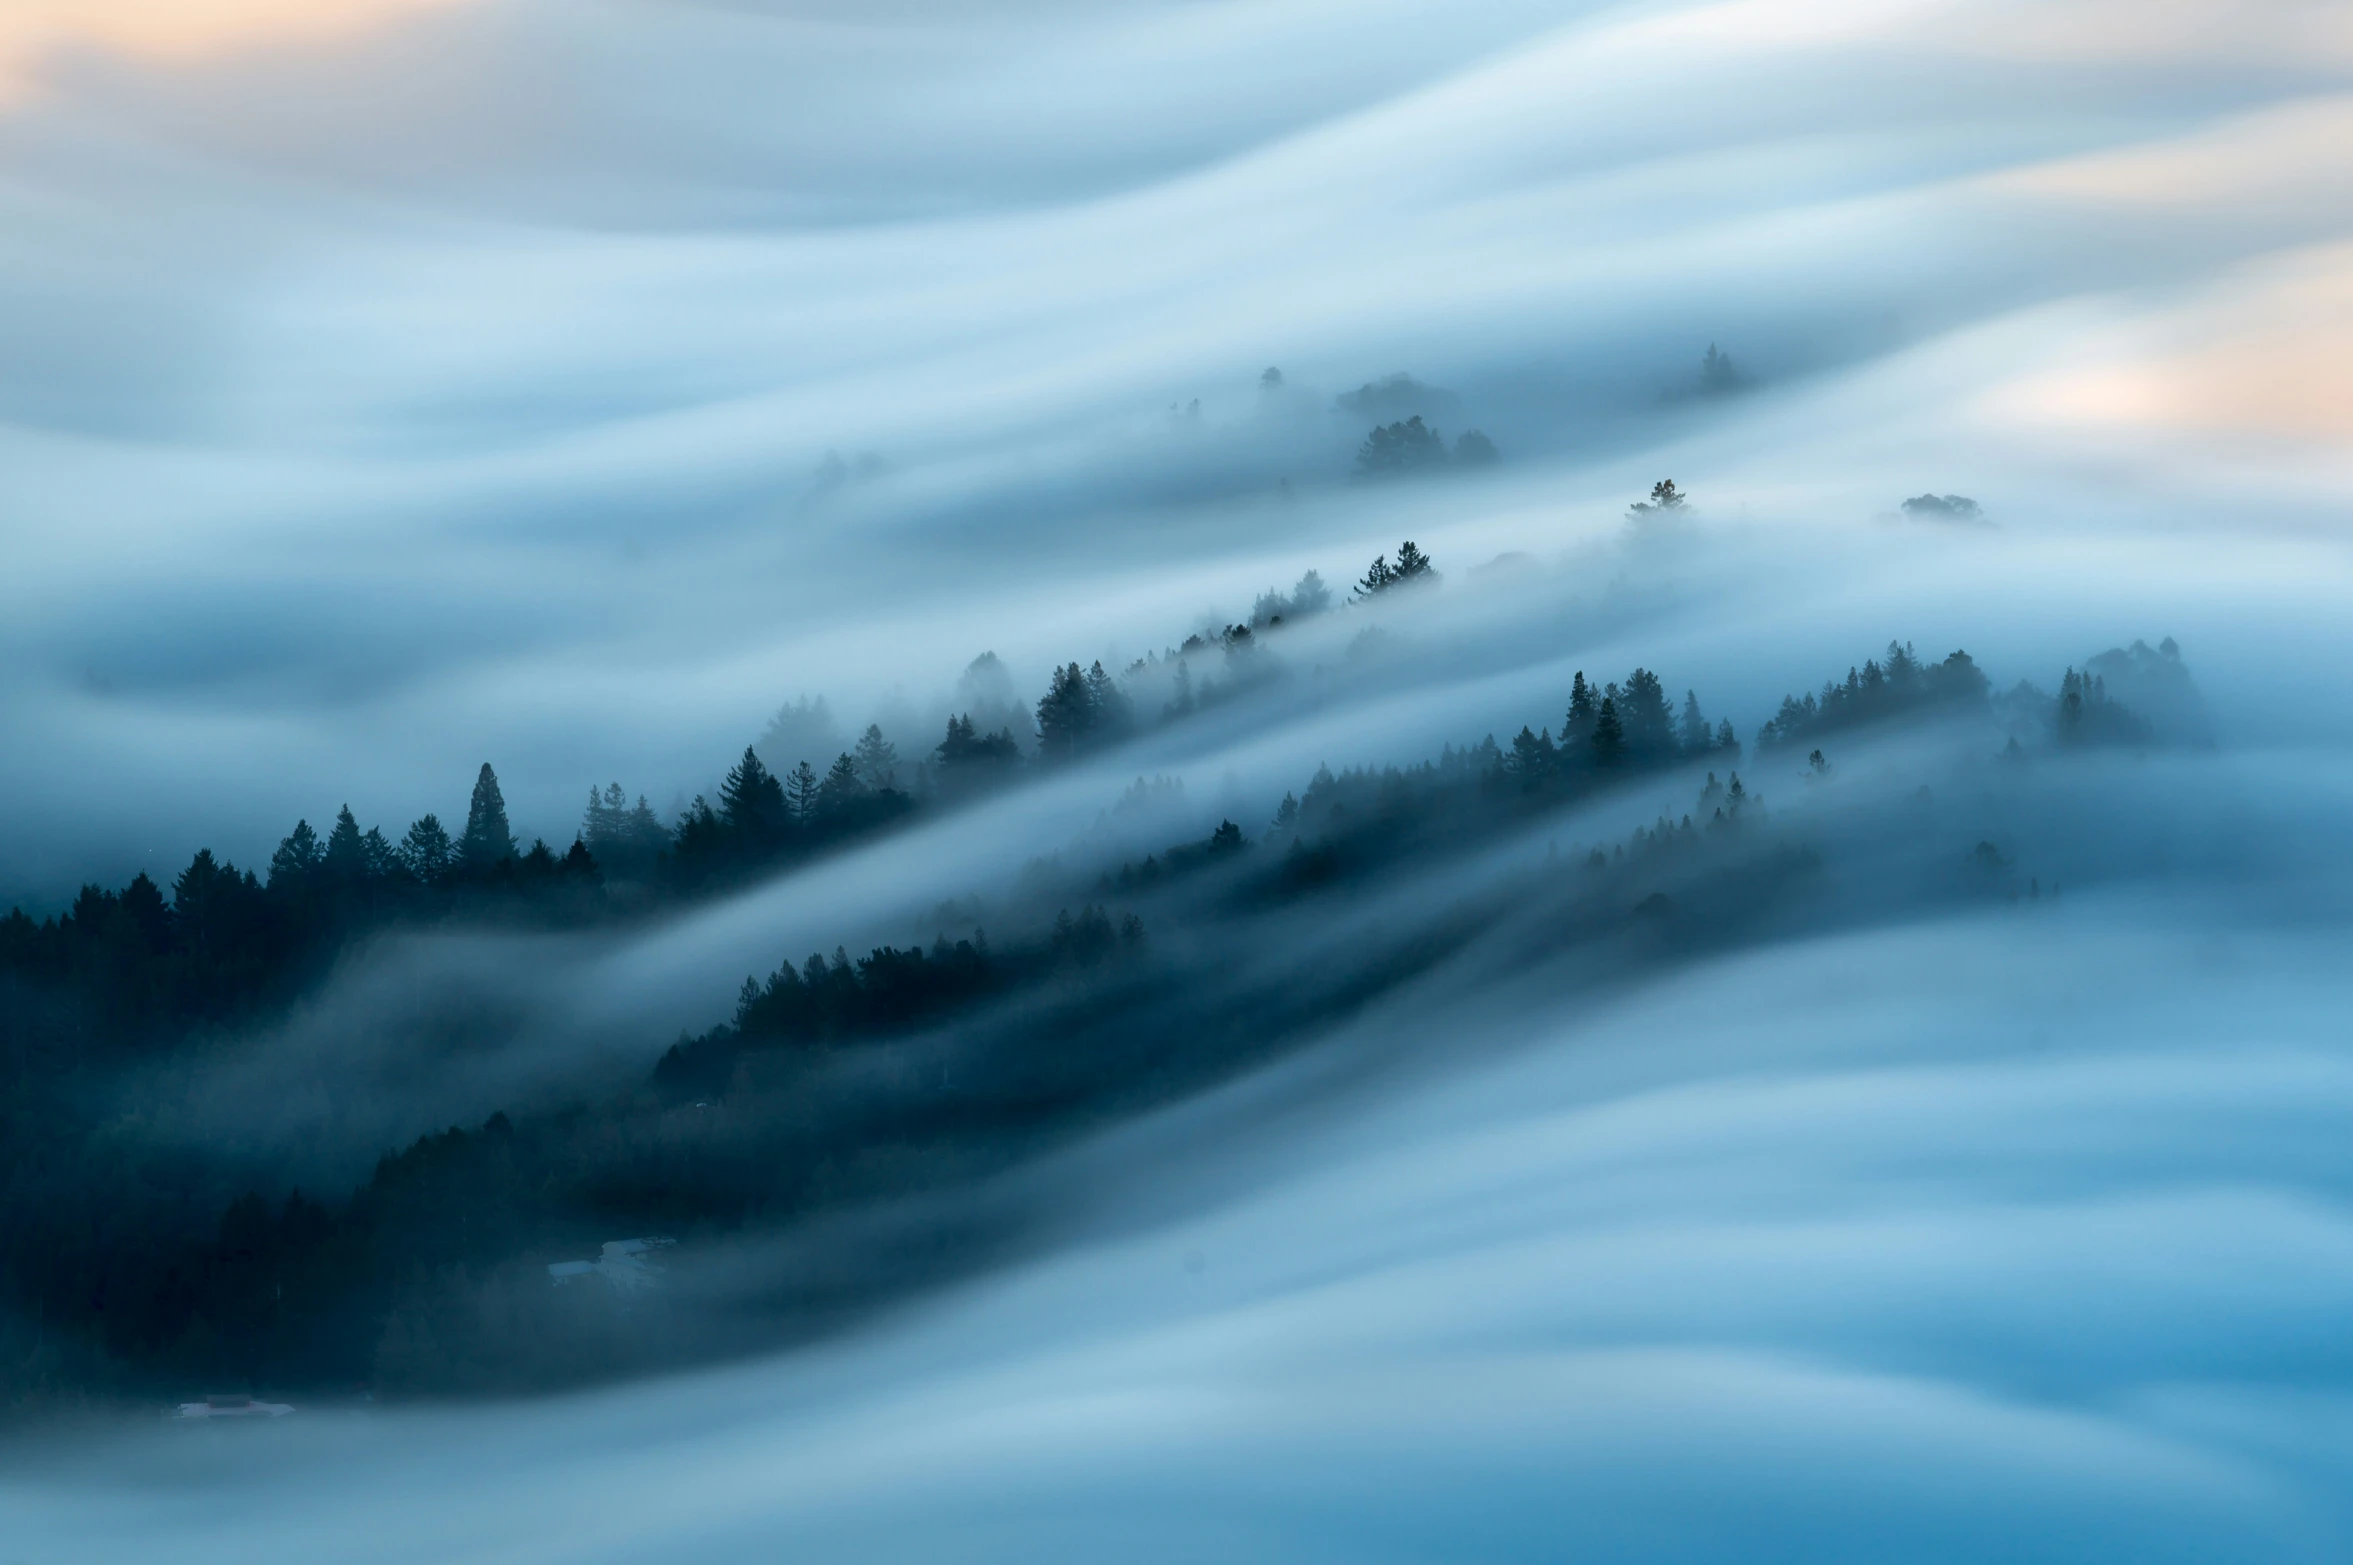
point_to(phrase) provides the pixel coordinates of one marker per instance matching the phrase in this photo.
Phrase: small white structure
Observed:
(626, 1265)
(221, 1406)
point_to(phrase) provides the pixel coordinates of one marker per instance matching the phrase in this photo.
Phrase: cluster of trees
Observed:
(1408, 446)
(149, 1267)
(2086, 715)
(122, 972)
(1082, 710)
(1900, 686)
(1304, 601)
(761, 818)
(1618, 728)
(1413, 568)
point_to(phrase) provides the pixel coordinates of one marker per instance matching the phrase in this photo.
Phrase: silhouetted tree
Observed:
(841, 790)
(1576, 732)
(1642, 712)
(800, 793)
(297, 858)
(344, 862)
(752, 804)
(427, 851)
(487, 839)
(1608, 744)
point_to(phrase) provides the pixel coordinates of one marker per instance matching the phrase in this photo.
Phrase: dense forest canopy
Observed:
(148, 1266)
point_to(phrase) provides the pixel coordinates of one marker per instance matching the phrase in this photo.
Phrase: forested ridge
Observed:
(844, 1090)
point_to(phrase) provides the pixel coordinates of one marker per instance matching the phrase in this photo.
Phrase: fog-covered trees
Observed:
(1898, 686)
(628, 841)
(1310, 597)
(1412, 568)
(877, 759)
(1408, 446)
(2085, 715)
(1665, 500)
(1081, 710)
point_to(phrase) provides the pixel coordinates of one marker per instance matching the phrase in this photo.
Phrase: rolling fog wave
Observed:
(572, 385)
(2022, 1233)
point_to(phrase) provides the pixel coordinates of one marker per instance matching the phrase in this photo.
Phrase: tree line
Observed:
(143, 1265)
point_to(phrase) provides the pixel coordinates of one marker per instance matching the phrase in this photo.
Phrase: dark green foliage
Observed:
(968, 760)
(1900, 686)
(1608, 744)
(1082, 710)
(1412, 566)
(838, 1087)
(1394, 450)
(751, 806)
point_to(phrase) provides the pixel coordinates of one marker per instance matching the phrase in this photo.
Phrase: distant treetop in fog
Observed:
(1395, 398)
(1410, 446)
(1943, 508)
(1665, 499)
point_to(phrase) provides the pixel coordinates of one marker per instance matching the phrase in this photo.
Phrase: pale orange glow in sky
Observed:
(176, 30)
(2267, 355)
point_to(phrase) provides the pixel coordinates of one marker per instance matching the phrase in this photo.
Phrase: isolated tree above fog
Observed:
(1412, 567)
(488, 838)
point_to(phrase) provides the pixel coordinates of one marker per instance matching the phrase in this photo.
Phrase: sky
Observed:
(387, 387)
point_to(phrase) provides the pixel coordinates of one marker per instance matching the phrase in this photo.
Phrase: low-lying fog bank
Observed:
(2014, 1233)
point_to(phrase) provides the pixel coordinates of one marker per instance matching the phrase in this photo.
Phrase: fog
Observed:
(395, 386)
(371, 414)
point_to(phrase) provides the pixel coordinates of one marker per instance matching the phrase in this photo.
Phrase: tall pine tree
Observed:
(488, 838)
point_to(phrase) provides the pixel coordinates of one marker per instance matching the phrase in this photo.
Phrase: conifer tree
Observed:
(751, 801)
(1643, 715)
(800, 793)
(1576, 730)
(1107, 705)
(1608, 743)
(1695, 736)
(840, 790)
(1066, 713)
(1311, 596)
(297, 857)
(877, 759)
(345, 859)
(426, 851)
(488, 838)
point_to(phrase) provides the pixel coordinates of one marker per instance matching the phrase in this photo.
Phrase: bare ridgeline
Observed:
(830, 1147)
